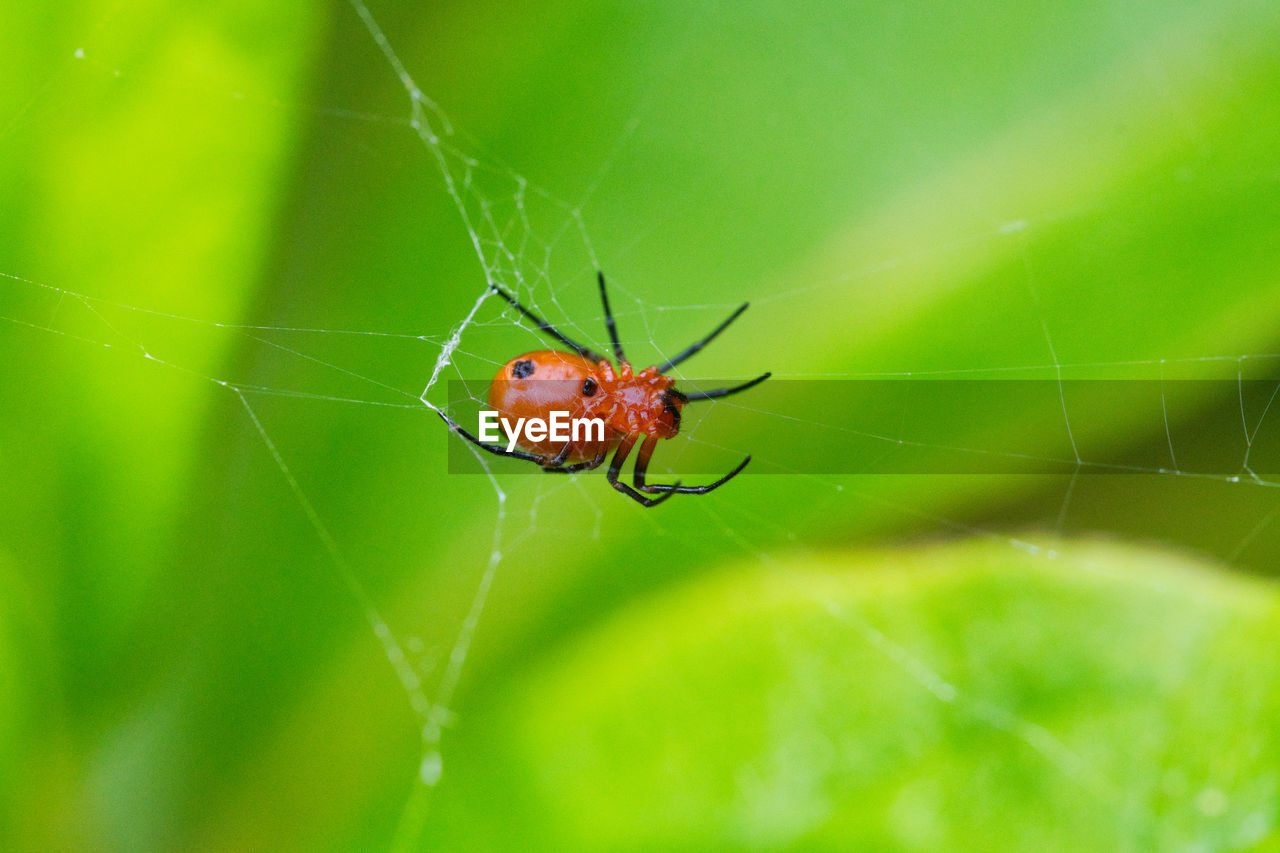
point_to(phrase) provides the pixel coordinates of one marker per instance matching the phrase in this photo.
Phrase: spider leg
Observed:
(577, 466)
(694, 348)
(608, 319)
(557, 461)
(671, 407)
(616, 465)
(725, 392)
(495, 449)
(642, 464)
(546, 328)
(642, 468)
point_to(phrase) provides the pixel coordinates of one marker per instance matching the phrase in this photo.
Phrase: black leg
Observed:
(642, 463)
(670, 363)
(725, 392)
(642, 468)
(547, 328)
(671, 407)
(608, 319)
(557, 461)
(495, 449)
(577, 466)
(616, 465)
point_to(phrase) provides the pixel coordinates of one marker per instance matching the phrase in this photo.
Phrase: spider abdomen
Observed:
(537, 384)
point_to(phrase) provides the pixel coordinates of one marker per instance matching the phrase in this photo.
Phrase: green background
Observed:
(203, 502)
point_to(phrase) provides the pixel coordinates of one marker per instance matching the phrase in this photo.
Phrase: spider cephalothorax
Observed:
(585, 384)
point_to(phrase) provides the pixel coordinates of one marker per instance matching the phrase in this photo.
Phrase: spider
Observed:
(587, 384)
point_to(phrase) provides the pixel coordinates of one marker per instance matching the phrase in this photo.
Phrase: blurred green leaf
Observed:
(966, 697)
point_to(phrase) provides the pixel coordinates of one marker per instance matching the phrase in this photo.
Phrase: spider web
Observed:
(545, 249)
